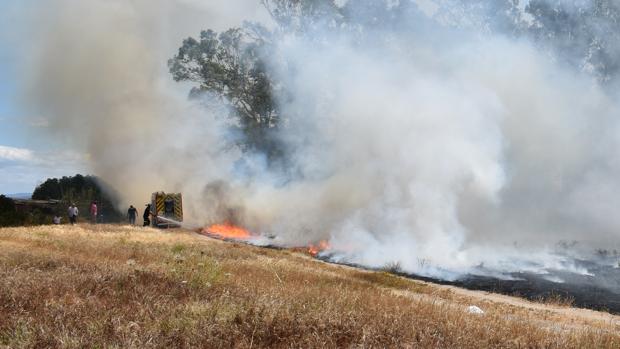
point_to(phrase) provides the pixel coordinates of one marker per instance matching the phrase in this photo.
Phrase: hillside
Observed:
(119, 286)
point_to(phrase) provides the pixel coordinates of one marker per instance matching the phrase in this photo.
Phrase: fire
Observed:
(320, 246)
(228, 231)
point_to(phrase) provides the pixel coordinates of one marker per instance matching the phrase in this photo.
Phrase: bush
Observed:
(9, 216)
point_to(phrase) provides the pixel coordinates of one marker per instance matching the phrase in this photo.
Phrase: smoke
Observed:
(439, 149)
(442, 150)
(97, 71)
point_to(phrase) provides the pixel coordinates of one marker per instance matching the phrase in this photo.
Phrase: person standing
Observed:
(132, 213)
(73, 213)
(93, 212)
(147, 215)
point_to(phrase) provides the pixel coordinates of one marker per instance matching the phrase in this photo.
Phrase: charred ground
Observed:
(599, 289)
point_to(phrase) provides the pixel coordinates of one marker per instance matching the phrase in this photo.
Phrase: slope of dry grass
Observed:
(117, 286)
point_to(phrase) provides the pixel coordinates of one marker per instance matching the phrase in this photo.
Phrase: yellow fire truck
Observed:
(166, 209)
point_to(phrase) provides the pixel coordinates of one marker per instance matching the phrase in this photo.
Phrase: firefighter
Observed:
(147, 215)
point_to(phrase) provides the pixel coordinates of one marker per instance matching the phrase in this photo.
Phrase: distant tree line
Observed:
(81, 190)
(78, 189)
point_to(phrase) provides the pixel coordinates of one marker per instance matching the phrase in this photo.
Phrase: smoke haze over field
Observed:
(417, 142)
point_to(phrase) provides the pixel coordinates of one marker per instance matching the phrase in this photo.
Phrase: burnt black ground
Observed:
(533, 287)
(598, 291)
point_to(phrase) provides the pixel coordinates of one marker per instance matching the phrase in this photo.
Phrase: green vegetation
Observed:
(9, 216)
(54, 196)
(81, 190)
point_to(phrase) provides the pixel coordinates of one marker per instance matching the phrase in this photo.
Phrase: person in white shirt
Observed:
(73, 213)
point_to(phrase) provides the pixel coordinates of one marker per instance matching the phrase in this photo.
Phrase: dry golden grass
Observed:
(117, 286)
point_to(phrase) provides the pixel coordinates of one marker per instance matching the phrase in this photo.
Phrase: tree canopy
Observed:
(81, 190)
(229, 67)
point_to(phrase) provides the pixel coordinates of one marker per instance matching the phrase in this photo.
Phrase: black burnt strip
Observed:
(598, 291)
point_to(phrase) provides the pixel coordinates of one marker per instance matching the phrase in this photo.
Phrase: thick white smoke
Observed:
(439, 150)
(472, 152)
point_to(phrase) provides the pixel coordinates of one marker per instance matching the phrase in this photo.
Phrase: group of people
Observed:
(132, 213)
(73, 212)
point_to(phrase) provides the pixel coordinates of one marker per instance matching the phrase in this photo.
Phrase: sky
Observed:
(28, 155)
(25, 159)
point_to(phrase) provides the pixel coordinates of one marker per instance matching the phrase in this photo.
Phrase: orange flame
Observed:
(228, 230)
(320, 246)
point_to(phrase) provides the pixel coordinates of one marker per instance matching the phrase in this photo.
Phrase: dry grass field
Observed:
(122, 287)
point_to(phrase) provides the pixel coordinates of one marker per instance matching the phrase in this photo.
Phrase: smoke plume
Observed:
(97, 71)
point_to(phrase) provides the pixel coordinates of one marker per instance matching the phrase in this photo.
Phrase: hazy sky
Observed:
(24, 159)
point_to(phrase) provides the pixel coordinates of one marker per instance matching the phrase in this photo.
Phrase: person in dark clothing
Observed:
(132, 213)
(147, 215)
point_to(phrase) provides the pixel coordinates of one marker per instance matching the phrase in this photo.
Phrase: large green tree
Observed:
(228, 66)
(232, 67)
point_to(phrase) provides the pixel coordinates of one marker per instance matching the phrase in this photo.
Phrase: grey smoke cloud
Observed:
(97, 71)
(440, 150)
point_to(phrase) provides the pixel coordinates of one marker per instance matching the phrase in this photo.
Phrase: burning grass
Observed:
(113, 286)
(227, 231)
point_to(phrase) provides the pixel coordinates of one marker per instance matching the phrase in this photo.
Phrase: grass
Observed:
(557, 299)
(117, 286)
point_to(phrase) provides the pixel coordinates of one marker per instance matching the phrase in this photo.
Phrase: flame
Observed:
(228, 230)
(314, 249)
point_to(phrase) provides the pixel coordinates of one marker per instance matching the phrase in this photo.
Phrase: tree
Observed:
(232, 68)
(9, 216)
(81, 190)
(497, 16)
(304, 15)
(229, 67)
(50, 189)
(585, 34)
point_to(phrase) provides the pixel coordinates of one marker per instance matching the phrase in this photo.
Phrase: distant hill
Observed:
(24, 196)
